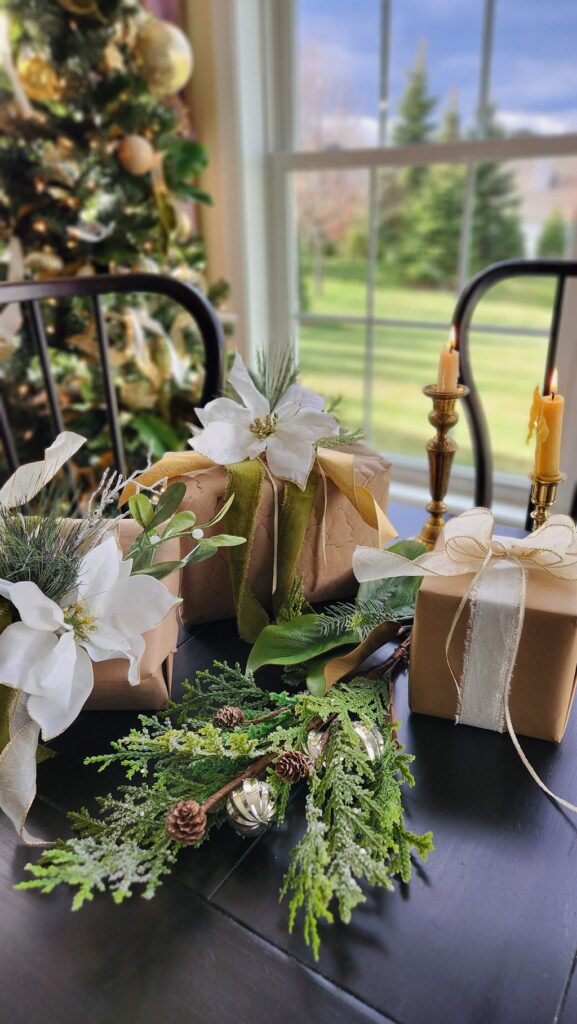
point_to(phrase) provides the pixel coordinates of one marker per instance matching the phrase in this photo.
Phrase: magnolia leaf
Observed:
(168, 503)
(179, 523)
(291, 642)
(141, 509)
(316, 671)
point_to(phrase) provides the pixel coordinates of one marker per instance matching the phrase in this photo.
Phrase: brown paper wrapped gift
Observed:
(206, 588)
(543, 682)
(112, 691)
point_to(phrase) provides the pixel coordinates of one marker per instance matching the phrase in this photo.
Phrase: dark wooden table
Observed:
(486, 933)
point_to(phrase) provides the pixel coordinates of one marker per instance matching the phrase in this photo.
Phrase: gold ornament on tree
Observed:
(39, 79)
(165, 56)
(136, 154)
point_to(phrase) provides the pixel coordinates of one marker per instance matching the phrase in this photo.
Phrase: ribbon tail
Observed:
(274, 486)
(18, 769)
(340, 468)
(294, 518)
(245, 480)
(558, 799)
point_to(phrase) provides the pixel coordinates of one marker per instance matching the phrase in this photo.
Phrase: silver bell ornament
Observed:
(371, 739)
(250, 807)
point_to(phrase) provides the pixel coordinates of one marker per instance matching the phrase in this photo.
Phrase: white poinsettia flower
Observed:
(49, 653)
(286, 434)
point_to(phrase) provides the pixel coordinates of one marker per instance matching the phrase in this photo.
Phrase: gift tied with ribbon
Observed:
(496, 598)
(245, 482)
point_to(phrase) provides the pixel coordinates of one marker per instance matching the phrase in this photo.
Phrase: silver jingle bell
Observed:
(371, 739)
(315, 743)
(250, 807)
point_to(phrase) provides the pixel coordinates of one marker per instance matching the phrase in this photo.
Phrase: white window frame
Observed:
(252, 55)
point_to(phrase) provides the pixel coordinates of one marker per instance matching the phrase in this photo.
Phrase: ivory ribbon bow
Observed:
(499, 567)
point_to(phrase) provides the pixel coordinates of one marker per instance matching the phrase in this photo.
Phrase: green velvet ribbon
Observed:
(245, 481)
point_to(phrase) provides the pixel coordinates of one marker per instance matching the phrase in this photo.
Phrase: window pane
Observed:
(506, 370)
(337, 64)
(534, 74)
(525, 208)
(405, 361)
(333, 241)
(435, 59)
(419, 217)
(331, 359)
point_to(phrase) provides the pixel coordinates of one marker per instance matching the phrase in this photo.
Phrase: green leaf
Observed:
(141, 509)
(155, 433)
(291, 642)
(221, 514)
(184, 159)
(159, 570)
(226, 540)
(204, 549)
(168, 503)
(187, 191)
(179, 523)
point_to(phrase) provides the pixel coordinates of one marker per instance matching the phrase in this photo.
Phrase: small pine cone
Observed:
(228, 717)
(293, 766)
(186, 822)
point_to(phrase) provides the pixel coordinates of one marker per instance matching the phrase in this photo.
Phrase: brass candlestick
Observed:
(543, 494)
(440, 451)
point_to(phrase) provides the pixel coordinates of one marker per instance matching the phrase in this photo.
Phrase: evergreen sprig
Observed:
(355, 827)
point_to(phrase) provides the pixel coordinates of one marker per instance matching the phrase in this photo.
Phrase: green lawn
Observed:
(506, 368)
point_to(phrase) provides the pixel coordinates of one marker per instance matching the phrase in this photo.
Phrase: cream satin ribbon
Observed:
(499, 566)
(337, 465)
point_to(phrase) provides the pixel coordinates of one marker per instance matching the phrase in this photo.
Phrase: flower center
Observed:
(265, 427)
(82, 623)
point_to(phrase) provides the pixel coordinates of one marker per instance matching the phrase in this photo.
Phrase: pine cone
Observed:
(186, 822)
(228, 717)
(293, 766)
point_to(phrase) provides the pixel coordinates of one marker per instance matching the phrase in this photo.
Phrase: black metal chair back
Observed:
(561, 270)
(30, 294)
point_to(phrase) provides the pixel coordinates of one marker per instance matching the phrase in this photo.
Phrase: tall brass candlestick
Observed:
(440, 451)
(543, 494)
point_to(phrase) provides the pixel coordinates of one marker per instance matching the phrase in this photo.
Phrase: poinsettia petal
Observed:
(303, 397)
(35, 609)
(21, 650)
(223, 409)
(138, 604)
(310, 425)
(132, 650)
(99, 569)
(65, 691)
(223, 442)
(290, 461)
(245, 389)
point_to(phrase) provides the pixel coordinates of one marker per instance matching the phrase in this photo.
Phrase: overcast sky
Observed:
(533, 68)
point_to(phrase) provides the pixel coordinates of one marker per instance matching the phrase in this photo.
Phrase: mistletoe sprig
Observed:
(355, 828)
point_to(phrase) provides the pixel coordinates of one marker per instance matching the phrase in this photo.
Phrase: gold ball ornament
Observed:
(39, 79)
(165, 56)
(136, 154)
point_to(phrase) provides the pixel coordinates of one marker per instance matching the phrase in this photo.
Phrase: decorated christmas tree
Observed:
(98, 174)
